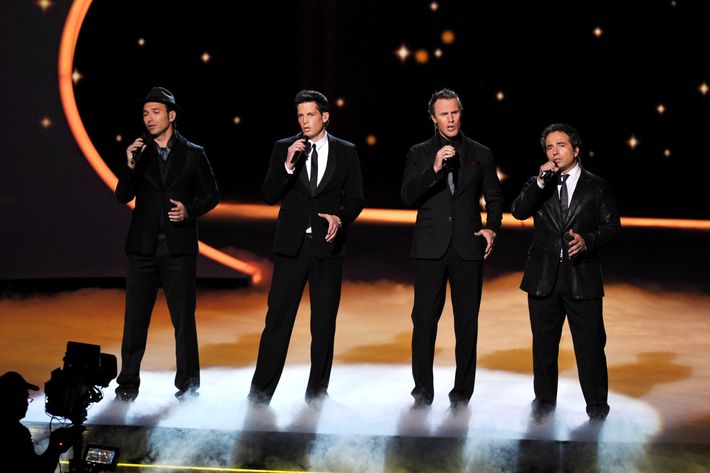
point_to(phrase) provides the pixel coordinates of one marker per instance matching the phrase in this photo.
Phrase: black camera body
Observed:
(72, 388)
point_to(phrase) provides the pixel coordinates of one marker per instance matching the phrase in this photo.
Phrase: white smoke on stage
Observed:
(657, 341)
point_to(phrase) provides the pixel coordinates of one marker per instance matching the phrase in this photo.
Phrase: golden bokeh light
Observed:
(421, 56)
(448, 37)
(633, 142)
(44, 5)
(403, 53)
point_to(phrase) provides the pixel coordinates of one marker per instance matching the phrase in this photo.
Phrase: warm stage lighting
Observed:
(447, 37)
(143, 466)
(76, 76)
(44, 4)
(501, 175)
(632, 142)
(227, 210)
(67, 48)
(371, 140)
(205, 57)
(434, 6)
(500, 96)
(661, 109)
(119, 138)
(340, 103)
(45, 122)
(403, 53)
(237, 120)
(667, 152)
(141, 42)
(598, 32)
(421, 56)
(437, 53)
(703, 88)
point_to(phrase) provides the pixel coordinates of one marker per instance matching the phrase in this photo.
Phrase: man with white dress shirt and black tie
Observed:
(575, 216)
(317, 179)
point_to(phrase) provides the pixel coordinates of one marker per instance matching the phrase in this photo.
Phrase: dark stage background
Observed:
(631, 76)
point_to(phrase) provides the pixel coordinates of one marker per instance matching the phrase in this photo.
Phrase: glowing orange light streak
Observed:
(67, 47)
(395, 216)
(200, 468)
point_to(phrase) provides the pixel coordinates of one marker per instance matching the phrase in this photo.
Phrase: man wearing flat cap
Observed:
(173, 184)
(17, 450)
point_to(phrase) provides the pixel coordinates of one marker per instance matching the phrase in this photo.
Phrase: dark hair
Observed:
(313, 96)
(443, 94)
(573, 135)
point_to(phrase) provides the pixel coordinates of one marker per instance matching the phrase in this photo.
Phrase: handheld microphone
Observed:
(449, 164)
(138, 152)
(299, 154)
(546, 176)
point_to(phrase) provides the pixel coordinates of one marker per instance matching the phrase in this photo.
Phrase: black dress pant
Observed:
(287, 285)
(466, 282)
(547, 316)
(146, 273)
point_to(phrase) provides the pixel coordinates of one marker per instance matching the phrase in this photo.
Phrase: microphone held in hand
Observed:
(138, 152)
(546, 176)
(300, 154)
(450, 164)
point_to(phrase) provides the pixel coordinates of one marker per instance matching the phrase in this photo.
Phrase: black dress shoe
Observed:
(421, 403)
(258, 398)
(541, 409)
(126, 395)
(597, 413)
(458, 404)
(187, 394)
(316, 400)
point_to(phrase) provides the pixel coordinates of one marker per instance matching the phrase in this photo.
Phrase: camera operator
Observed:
(17, 450)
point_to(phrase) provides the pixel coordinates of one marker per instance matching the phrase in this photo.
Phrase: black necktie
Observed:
(314, 169)
(564, 196)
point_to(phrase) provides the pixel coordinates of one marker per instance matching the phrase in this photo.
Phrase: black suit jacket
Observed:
(441, 216)
(339, 193)
(189, 180)
(592, 213)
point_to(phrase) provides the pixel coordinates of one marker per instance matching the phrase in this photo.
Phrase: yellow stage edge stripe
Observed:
(204, 468)
(230, 210)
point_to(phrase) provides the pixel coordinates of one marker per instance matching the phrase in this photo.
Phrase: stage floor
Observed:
(657, 319)
(656, 348)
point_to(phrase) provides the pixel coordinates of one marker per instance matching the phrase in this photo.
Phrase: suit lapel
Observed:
(330, 166)
(464, 173)
(153, 168)
(579, 190)
(177, 160)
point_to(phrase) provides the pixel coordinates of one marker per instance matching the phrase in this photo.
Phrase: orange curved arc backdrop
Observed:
(70, 35)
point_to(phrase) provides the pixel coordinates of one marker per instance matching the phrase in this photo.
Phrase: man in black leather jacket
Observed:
(575, 215)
